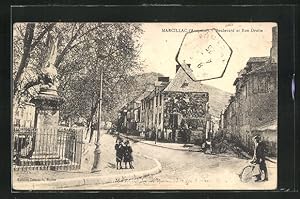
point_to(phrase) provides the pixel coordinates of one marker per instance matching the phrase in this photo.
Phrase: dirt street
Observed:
(191, 170)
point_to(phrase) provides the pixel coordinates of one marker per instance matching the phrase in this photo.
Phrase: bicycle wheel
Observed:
(247, 173)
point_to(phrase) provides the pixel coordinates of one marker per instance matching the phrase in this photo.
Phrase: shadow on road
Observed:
(111, 165)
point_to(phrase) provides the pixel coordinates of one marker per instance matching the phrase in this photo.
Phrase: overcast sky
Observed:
(160, 47)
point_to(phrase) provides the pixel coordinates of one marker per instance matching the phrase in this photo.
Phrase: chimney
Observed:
(163, 79)
(274, 49)
(178, 66)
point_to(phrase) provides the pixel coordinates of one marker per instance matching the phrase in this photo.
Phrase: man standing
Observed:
(259, 157)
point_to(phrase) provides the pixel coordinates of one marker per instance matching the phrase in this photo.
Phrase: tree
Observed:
(31, 48)
(26, 38)
(113, 47)
(83, 48)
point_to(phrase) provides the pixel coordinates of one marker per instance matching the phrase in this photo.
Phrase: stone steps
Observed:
(54, 167)
(42, 162)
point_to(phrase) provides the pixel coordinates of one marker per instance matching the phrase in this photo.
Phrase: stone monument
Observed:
(47, 104)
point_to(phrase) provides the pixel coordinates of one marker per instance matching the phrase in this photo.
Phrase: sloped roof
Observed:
(184, 82)
(142, 96)
(258, 59)
(261, 67)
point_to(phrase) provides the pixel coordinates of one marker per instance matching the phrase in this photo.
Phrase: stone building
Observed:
(253, 108)
(172, 104)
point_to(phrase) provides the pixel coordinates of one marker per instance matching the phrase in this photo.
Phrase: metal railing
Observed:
(53, 149)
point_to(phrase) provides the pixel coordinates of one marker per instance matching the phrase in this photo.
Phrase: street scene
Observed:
(151, 106)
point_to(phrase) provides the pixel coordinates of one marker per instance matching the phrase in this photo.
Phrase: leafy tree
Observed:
(83, 50)
(113, 48)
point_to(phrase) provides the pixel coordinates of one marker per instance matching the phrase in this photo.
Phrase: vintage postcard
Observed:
(152, 106)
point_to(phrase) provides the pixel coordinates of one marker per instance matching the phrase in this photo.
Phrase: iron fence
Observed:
(51, 148)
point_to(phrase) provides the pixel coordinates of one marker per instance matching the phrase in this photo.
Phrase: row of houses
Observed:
(253, 108)
(171, 109)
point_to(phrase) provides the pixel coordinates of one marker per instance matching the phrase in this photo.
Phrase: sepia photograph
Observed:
(144, 106)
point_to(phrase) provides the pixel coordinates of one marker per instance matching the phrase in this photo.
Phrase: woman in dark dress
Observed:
(119, 147)
(128, 155)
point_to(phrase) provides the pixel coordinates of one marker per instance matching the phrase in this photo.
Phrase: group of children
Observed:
(123, 153)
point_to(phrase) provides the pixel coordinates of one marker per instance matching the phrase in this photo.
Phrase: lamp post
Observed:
(156, 118)
(97, 152)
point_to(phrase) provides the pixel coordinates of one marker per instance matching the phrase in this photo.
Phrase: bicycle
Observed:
(248, 172)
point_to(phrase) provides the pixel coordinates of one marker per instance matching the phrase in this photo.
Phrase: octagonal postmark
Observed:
(206, 53)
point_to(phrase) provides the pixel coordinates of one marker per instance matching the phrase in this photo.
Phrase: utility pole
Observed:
(97, 152)
(156, 116)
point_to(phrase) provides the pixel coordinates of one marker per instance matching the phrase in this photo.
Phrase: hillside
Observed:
(218, 99)
(146, 80)
(139, 84)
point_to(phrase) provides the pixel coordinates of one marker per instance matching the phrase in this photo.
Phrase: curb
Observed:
(158, 145)
(73, 182)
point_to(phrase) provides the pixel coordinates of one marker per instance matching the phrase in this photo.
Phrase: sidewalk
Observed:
(173, 146)
(51, 180)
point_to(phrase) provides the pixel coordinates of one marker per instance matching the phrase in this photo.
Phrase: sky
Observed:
(160, 46)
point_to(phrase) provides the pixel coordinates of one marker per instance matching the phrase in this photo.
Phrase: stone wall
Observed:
(253, 106)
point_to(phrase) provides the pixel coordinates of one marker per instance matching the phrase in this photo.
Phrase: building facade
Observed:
(253, 108)
(174, 108)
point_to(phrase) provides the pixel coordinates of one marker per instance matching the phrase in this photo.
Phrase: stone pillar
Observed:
(47, 104)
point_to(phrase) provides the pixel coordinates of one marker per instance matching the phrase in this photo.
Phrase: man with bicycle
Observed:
(259, 157)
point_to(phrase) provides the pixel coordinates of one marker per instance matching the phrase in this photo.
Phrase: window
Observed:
(255, 84)
(18, 123)
(262, 85)
(241, 118)
(160, 100)
(245, 90)
(159, 118)
(271, 83)
(185, 84)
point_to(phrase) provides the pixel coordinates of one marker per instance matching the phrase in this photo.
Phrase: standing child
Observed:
(128, 155)
(119, 152)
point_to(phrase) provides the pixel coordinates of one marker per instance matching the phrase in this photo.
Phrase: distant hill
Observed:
(218, 98)
(145, 80)
(140, 84)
